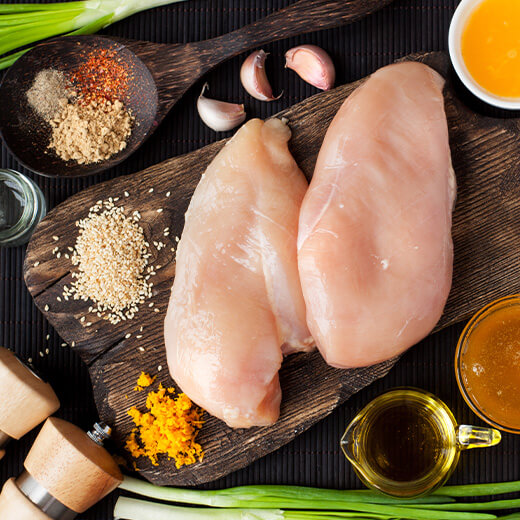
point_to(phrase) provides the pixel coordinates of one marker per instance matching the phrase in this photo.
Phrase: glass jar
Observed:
(22, 206)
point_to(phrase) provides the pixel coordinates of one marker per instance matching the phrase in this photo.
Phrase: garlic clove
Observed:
(312, 64)
(219, 115)
(254, 79)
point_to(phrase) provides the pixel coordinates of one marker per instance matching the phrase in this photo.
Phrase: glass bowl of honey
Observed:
(487, 364)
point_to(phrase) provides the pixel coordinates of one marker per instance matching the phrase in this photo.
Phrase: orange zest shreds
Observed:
(144, 381)
(170, 427)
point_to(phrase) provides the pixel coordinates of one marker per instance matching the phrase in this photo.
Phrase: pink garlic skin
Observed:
(312, 64)
(254, 78)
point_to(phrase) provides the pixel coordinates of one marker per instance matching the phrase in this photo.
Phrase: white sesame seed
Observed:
(47, 337)
(30, 360)
(58, 298)
(160, 210)
(127, 194)
(139, 336)
(141, 349)
(46, 308)
(168, 193)
(73, 344)
(36, 264)
(55, 238)
(41, 353)
(63, 344)
(150, 190)
(159, 368)
(127, 335)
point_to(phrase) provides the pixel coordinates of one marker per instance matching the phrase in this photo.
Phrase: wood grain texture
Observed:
(160, 75)
(70, 466)
(486, 232)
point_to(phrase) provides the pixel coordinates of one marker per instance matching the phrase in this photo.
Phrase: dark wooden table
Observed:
(313, 458)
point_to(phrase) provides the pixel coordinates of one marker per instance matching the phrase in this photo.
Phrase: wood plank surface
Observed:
(486, 233)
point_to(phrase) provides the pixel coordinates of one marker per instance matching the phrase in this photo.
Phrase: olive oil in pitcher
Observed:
(406, 442)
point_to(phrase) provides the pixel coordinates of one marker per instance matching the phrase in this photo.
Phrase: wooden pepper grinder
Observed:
(25, 400)
(66, 472)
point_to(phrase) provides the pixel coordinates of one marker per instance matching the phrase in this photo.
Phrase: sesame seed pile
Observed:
(111, 254)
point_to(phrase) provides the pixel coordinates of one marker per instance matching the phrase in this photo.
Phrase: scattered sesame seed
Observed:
(141, 329)
(58, 255)
(156, 310)
(139, 336)
(82, 319)
(63, 344)
(127, 335)
(58, 298)
(160, 210)
(36, 264)
(127, 194)
(55, 238)
(46, 308)
(150, 190)
(47, 337)
(141, 349)
(88, 324)
(29, 360)
(41, 353)
(159, 368)
(168, 193)
(73, 344)
(47, 351)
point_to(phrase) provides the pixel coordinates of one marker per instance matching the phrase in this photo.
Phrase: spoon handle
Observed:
(298, 18)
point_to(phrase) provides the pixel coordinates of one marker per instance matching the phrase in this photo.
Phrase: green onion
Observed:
(286, 497)
(22, 25)
(132, 509)
(479, 490)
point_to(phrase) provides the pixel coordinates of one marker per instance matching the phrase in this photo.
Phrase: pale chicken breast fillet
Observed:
(375, 251)
(236, 304)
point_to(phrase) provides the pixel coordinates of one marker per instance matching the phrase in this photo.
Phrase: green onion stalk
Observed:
(22, 25)
(305, 503)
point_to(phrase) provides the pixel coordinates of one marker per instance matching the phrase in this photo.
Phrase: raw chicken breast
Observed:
(375, 252)
(236, 300)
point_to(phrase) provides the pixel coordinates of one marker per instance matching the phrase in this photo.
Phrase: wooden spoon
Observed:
(161, 74)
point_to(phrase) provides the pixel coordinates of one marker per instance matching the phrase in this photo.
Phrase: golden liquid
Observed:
(490, 366)
(404, 442)
(491, 46)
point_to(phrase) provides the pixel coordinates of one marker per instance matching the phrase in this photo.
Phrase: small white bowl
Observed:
(457, 25)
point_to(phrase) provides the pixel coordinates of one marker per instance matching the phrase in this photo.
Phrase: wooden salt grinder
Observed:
(66, 472)
(25, 400)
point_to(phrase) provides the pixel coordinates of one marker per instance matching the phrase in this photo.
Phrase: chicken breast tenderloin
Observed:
(236, 301)
(375, 252)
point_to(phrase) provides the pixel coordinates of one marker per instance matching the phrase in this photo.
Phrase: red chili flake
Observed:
(101, 77)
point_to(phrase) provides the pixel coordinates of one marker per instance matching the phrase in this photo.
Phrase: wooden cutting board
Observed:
(486, 232)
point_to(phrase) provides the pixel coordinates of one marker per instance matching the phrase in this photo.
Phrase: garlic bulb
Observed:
(312, 64)
(254, 79)
(219, 115)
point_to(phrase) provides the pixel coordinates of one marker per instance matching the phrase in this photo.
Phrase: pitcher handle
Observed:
(476, 437)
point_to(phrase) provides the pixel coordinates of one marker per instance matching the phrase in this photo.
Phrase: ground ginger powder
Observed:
(92, 132)
(170, 427)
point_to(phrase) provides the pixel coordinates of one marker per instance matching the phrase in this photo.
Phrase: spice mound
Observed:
(90, 133)
(49, 93)
(111, 254)
(170, 427)
(86, 111)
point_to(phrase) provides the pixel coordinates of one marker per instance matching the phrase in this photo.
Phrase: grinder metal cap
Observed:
(25, 400)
